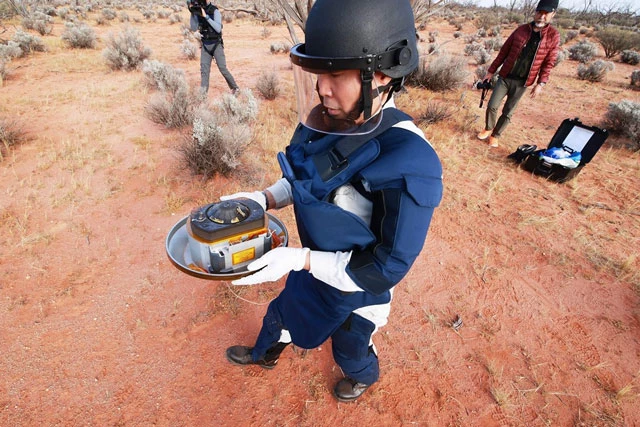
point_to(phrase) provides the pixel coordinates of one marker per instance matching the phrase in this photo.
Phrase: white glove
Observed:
(256, 196)
(277, 262)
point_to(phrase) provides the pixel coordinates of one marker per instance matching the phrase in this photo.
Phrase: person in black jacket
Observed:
(208, 21)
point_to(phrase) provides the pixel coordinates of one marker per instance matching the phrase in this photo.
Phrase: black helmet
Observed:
(365, 35)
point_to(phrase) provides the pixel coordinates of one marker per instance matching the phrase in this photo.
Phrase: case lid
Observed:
(579, 137)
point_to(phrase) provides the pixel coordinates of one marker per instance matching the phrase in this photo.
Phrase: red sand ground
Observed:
(98, 328)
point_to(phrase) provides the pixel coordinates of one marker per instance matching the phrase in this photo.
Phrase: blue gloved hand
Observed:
(277, 262)
(257, 196)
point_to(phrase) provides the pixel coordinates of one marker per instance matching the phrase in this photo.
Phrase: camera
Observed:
(195, 6)
(484, 84)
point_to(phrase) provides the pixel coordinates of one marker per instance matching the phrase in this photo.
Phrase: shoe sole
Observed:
(483, 138)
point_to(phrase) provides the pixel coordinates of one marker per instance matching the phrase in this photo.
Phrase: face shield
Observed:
(329, 116)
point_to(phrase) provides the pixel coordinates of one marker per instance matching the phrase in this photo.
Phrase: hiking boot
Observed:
(484, 134)
(349, 389)
(493, 141)
(241, 355)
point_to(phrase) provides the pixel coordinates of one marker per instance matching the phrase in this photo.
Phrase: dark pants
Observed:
(205, 65)
(513, 90)
(350, 345)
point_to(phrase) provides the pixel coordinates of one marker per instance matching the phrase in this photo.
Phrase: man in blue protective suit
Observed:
(363, 181)
(208, 21)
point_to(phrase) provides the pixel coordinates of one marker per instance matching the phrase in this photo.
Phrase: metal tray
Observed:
(177, 246)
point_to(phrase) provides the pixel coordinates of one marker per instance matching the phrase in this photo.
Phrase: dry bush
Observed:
(11, 134)
(175, 109)
(215, 146)
(280, 47)
(630, 57)
(125, 51)
(435, 112)
(28, 43)
(624, 118)
(596, 71)
(161, 76)
(481, 56)
(10, 50)
(189, 49)
(79, 36)
(635, 79)
(39, 22)
(583, 51)
(268, 85)
(442, 74)
(240, 108)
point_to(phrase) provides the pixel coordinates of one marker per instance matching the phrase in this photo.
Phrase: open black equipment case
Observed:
(575, 135)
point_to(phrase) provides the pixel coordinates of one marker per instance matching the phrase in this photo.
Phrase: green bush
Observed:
(614, 41)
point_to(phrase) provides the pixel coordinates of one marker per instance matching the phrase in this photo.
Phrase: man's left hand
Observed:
(536, 90)
(277, 262)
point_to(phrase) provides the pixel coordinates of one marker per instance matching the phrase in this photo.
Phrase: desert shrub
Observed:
(614, 40)
(435, 112)
(487, 20)
(175, 109)
(80, 36)
(562, 55)
(28, 42)
(11, 134)
(268, 85)
(624, 118)
(39, 22)
(4, 71)
(583, 51)
(570, 35)
(432, 36)
(189, 49)
(10, 50)
(214, 146)
(443, 73)
(494, 43)
(457, 34)
(635, 79)
(175, 19)
(161, 76)
(472, 48)
(109, 14)
(279, 47)
(241, 108)
(630, 57)
(124, 17)
(596, 71)
(164, 14)
(481, 56)
(125, 51)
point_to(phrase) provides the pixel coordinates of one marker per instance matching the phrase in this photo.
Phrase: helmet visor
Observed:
(313, 114)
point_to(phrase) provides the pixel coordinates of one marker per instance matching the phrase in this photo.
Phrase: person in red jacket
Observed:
(528, 55)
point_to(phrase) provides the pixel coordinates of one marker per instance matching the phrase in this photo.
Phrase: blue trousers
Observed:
(349, 343)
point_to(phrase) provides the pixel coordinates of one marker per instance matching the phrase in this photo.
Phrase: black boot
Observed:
(349, 389)
(241, 355)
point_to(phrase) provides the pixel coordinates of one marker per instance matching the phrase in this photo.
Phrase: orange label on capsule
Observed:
(243, 256)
